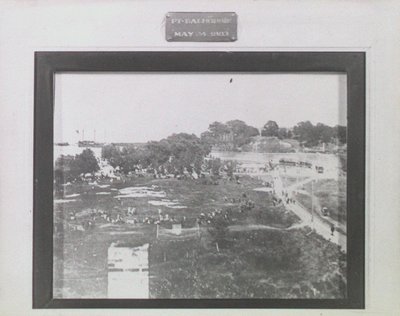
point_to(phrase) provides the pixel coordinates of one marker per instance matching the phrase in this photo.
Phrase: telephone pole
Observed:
(312, 203)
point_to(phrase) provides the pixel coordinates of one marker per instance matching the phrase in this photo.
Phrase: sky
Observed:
(139, 107)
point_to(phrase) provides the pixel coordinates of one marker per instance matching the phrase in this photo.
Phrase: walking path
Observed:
(307, 217)
(240, 228)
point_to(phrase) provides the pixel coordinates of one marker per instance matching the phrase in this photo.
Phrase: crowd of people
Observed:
(88, 218)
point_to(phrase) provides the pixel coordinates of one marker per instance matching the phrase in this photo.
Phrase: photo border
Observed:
(47, 64)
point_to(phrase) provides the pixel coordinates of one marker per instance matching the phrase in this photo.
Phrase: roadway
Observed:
(307, 217)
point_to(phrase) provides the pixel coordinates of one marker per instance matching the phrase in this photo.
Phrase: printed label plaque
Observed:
(201, 27)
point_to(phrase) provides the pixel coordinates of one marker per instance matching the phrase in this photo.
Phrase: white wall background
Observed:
(371, 26)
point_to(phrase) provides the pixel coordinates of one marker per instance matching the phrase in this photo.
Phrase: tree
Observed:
(159, 152)
(230, 168)
(208, 137)
(187, 151)
(218, 129)
(235, 134)
(109, 151)
(305, 132)
(85, 162)
(312, 135)
(324, 133)
(219, 230)
(198, 162)
(63, 173)
(242, 132)
(341, 133)
(63, 169)
(283, 133)
(215, 167)
(69, 168)
(128, 159)
(173, 154)
(271, 128)
(112, 154)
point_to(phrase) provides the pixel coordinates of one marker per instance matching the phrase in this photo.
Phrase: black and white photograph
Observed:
(199, 157)
(200, 186)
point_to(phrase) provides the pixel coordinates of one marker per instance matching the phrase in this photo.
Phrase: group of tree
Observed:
(218, 230)
(172, 155)
(69, 168)
(237, 132)
(312, 135)
(272, 129)
(306, 132)
(186, 152)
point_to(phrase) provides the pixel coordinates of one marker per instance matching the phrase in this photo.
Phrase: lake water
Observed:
(326, 160)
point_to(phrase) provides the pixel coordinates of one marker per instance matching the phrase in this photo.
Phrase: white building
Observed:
(128, 271)
(177, 229)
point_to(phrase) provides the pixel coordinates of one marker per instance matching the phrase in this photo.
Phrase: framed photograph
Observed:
(199, 180)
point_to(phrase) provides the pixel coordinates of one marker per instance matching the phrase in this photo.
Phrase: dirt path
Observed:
(328, 220)
(307, 217)
(241, 228)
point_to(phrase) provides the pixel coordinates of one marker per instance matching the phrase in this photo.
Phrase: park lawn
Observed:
(332, 194)
(194, 267)
(305, 200)
(290, 180)
(196, 196)
(254, 264)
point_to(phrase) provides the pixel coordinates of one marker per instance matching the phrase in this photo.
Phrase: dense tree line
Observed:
(68, 168)
(271, 129)
(236, 132)
(312, 135)
(172, 155)
(307, 133)
(185, 152)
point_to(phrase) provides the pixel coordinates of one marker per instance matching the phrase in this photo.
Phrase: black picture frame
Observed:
(47, 64)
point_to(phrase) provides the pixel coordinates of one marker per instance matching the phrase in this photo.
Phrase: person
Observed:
(332, 229)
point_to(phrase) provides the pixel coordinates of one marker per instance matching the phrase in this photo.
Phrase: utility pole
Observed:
(312, 203)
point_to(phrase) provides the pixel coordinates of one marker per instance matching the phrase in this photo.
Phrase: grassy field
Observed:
(255, 264)
(332, 194)
(270, 262)
(290, 180)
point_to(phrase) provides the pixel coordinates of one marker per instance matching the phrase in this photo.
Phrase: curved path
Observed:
(320, 226)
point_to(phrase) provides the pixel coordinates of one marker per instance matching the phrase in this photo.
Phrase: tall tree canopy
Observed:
(173, 154)
(235, 132)
(271, 128)
(312, 135)
(69, 168)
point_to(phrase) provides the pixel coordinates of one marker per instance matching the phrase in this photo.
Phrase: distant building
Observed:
(128, 271)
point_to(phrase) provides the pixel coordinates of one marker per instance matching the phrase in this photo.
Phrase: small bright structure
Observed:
(177, 229)
(128, 271)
